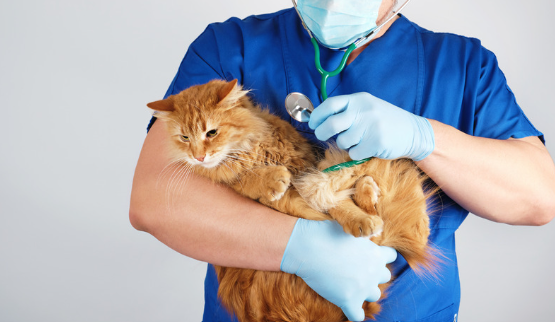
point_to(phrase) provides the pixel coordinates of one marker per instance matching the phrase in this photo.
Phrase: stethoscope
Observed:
(299, 105)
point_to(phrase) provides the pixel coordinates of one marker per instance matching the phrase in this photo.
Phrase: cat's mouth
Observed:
(208, 162)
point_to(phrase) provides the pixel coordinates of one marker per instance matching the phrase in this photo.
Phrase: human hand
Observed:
(371, 127)
(343, 269)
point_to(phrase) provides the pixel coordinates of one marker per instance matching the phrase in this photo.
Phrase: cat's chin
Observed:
(209, 164)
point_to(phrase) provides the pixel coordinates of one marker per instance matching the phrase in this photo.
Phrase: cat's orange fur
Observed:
(232, 141)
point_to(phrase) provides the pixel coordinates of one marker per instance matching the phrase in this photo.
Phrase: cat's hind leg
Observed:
(366, 194)
(360, 219)
(356, 221)
(293, 204)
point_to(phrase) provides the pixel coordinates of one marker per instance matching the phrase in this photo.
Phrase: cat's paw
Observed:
(277, 182)
(367, 194)
(368, 187)
(363, 225)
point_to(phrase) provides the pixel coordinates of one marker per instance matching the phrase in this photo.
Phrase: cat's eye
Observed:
(184, 138)
(212, 133)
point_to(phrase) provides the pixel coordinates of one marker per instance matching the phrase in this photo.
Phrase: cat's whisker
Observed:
(254, 162)
(236, 175)
(249, 154)
(184, 177)
(237, 165)
(180, 179)
(171, 167)
(171, 181)
(246, 157)
(173, 163)
(244, 167)
(243, 159)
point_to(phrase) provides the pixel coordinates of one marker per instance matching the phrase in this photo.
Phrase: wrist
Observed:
(424, 142)
(289, 263)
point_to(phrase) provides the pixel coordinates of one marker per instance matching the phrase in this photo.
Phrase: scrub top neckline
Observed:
(302, 75)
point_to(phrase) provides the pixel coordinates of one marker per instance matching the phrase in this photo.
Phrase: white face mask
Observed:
(339, 23)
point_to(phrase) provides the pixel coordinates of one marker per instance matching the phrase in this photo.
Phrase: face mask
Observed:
(339, 23)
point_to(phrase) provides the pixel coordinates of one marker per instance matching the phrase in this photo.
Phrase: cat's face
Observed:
(209, 123)
(206, 139)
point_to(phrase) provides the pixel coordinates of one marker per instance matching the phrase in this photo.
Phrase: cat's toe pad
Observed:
(368, 226)
(277, 183)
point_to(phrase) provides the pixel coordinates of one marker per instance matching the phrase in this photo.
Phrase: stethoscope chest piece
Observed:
(299, 106)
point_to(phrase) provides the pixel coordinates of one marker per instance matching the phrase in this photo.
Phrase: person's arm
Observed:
(206, 221)
(508, 181)
(214, 224)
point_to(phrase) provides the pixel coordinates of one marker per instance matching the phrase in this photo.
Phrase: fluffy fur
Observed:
(218, 133)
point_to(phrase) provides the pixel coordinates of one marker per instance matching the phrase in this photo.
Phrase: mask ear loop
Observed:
(325, 74)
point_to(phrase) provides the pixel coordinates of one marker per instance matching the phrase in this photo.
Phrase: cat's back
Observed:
(294, 150)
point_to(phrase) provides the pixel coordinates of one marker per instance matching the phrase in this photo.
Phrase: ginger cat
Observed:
(220, 134)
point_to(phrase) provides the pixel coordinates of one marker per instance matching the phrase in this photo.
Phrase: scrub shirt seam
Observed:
(421, 70)
(221, 72)
(201, 58)
(285, 57)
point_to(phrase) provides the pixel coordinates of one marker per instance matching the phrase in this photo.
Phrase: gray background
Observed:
(75, 76)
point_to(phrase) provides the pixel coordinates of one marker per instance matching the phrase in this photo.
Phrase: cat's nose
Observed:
(201, 159)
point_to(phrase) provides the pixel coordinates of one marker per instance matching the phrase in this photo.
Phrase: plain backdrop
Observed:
(75, 76)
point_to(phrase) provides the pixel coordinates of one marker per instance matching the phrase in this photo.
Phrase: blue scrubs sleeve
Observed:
(206, 59)
(196, 68)
(497, 114)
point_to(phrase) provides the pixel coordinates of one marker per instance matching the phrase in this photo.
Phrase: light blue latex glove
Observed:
(371, 127)
(341, 268)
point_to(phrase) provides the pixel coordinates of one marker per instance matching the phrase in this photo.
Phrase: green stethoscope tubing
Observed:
(344, 165)
(325, 74)
(324, 84)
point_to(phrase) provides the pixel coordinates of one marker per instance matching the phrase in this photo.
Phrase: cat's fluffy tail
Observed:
(404, 206)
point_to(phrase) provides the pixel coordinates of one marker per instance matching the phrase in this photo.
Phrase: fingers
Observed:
(385, 276)
(389, 254)
(329, 107)
(337, 123)
(374, 294)
(353, 312)
(350, 137)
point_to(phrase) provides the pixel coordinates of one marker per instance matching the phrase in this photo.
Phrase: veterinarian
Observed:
(439, 99)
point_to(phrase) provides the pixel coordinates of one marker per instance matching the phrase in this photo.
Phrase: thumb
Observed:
(389, 254)
(353, 313)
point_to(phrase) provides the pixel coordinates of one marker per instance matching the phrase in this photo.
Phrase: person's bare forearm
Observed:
(510, 181)
(203, 220)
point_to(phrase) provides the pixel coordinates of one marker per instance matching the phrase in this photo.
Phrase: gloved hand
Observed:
(371, 127)
(341, 268)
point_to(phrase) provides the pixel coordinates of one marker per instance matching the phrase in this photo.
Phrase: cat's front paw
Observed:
(363, 225)
(277, 181)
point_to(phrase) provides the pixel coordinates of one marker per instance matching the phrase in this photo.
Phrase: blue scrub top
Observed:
(445, 77)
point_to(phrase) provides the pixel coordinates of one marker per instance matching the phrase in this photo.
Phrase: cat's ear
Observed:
(165, 105)
(227, 89)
